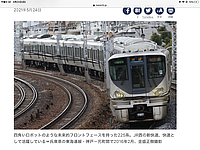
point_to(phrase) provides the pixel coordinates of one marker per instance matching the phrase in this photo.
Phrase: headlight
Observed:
(118, 94)
(159, 91)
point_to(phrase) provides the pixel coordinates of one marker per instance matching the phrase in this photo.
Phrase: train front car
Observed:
(140, 84)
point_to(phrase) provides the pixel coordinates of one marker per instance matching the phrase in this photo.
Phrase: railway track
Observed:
(173, 85)
(76, 106)
(25, 103)
(22, 95)
(67, 117)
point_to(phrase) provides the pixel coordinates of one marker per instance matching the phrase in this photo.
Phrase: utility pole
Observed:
(22, 44)
(18, 41)
(60, 65)
(104, 50)
(86, 31)
(107, 48)
(174, 51)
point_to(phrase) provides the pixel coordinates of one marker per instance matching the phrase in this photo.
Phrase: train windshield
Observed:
(155, 66)
(138, 76)
(118, 69)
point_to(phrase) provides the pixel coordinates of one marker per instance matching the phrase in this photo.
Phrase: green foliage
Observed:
(165, 36)
(156, 38)
(166, 40)
(163, 28)
(169, 44)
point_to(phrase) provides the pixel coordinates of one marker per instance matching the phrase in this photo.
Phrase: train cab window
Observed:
(156, 66)
(118, 69)
(138, 76)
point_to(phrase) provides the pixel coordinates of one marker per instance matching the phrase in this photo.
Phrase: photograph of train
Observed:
(95, 75)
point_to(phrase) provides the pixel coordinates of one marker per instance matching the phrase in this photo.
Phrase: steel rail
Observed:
(59, 116)
(32, 101)
(22, 93)
(173, 85)
(46, 126)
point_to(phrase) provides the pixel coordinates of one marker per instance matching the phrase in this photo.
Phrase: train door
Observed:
(138, 75)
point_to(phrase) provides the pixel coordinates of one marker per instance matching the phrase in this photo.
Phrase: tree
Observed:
(165, 34)
(156, 38)
(169, 44)
(166, 40)
(163, 28)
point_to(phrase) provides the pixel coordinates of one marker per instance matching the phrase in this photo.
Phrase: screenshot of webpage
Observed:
(99, 74)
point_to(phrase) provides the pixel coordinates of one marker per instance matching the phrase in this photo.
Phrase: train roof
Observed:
(126, 41)
(128, 47)
(121, 44)
(121, 55)
(128, 44)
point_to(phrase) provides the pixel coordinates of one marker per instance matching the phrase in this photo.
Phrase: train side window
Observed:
(29, 48)
(38, 48)
(55, 50)
(41, 48)
(82, 53)
(51, 49)
(94, 54)
(65, 50)
(89, 53)
(70, 51)
(77, 52)
(101, 55)
(118, 69)
(48, 49)
(62, 50)
(98, 54)
(26, 48)
(44, 48)
(34, 48)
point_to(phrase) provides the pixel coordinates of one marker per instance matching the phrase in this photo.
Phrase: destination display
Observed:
(118, 62)
(136, 59)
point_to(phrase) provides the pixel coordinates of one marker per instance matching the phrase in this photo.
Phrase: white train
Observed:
(140, 80)
(43, 52)
(139, 74)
